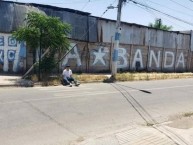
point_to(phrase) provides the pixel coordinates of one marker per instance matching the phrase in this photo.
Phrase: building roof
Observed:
(49, 6)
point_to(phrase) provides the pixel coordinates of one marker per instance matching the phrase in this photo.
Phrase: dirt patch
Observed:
(182, 123)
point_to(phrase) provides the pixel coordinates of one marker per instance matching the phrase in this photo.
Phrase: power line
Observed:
(176, 18)
(156, 16)
(181, 5)
(181, 12)
(85, 5)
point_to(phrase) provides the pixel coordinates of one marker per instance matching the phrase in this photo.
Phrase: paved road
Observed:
(60, 115)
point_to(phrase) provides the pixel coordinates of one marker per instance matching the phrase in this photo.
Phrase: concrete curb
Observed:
(9, 85)
(17, 83)
(39, 84)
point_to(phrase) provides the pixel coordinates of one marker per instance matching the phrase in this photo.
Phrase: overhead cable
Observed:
(181, 5)
(181, 12)
(176, 18)
(156, 16)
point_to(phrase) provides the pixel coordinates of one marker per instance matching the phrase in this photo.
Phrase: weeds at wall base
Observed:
(121, 77)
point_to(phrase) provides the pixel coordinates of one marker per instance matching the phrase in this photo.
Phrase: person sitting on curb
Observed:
(67, 77)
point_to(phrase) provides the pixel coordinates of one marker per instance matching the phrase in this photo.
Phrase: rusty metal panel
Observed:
(77, 22)
(186, 42)
(169, 60)
(130, 34)
(19, 16)
(191, 61)
(138, 53)
(191, 44)
(83, 26)
(180, 42)
(154, 38)
(138, 35)
(6, 16)
(169, 39)
(92, 27)
(183, 41)
(126, 34)
(155, 63)
(12, 15)
(106, 30)
(99, 58)
(181, 60)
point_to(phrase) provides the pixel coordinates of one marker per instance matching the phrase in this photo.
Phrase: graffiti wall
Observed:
(97, 58)
(12, 54)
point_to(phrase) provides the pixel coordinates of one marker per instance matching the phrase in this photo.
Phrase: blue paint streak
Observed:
(1, 40)
(117, 36)
(1, 56)
(115, 55)
(22, 52)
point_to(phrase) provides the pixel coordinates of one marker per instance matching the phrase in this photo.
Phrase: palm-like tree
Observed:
(159, 25)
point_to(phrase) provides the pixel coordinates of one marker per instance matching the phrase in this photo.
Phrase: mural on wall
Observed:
(155, 58)
(122, 58)
(12, 53)
(73, 54)
(99, 55)
(101, 51)
(138, 58)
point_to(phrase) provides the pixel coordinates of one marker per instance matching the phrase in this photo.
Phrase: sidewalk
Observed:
(10, 81)
(17, 81)
(143, 135)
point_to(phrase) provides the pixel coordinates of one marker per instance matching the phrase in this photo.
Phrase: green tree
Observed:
(44, 32)
(159, 25)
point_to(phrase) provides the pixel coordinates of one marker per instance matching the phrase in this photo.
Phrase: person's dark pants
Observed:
(70, 80)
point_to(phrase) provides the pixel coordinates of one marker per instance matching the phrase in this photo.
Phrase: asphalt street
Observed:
(64, 115)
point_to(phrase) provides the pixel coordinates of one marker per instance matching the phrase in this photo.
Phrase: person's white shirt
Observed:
(67, 73)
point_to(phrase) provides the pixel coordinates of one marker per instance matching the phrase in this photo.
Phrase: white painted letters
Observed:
(181, 60)
(153, 56)
(11, 52)
(99, 56)
(11, 55)
(73, 55)
(138, 58)
(167, 53)
(122, 54)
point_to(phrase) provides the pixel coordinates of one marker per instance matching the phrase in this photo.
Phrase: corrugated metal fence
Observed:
(151, 49)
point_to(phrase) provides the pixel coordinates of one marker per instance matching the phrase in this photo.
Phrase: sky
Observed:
(133, 13)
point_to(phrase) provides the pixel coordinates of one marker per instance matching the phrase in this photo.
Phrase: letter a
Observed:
(72, 55)
(181, 60)
(137, 58)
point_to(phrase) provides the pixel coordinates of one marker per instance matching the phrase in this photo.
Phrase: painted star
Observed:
(99, 56)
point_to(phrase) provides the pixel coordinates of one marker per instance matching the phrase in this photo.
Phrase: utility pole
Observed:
(159, 23)
(117, 39)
